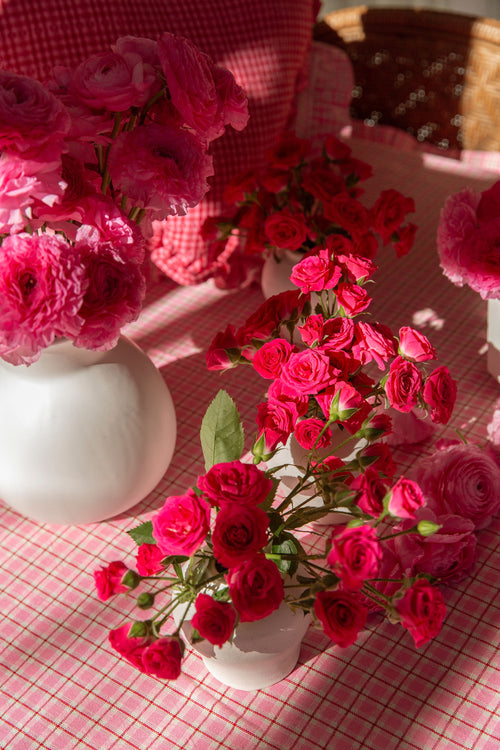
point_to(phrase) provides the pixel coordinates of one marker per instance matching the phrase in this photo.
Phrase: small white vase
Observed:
(493, 335)
(84, 435)
(260, 654)
(276, 272)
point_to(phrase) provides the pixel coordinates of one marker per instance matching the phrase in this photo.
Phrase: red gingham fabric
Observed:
(263, 42)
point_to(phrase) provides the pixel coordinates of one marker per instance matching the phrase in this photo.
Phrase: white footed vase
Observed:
(493, 362)
(260, 654)
(276, 272)
(84, 435)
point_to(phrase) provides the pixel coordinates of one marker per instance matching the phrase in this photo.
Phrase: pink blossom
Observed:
(342, 615)
(440, 393)
(373, 341)
(355, 555)
(231, 99)
(41, 290)
(406, 498)
(311, 433)
(343, 403)
(181, 524)
(315, 273)
(146, 49)
(148, 560)
(352, 298)
(462, 480)
(112, 81)
(403, 385)
(414, 345)
(105, 224)
(358, 268)
(108, 580)
(270, 358)
(307, 371)
(235, 482)
(457, 223)
(33, 122)
(160, 168)
(223, 353)
(276, 420)
(422, 611)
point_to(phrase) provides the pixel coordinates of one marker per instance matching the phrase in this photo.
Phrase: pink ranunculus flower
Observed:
(33, 122)
(231, 99)
(161, 168)
(310, 433)
(113, 297)
(148, 559)
(414, 345)
(403, 385)
(130, 648)
(270, 358)
(162, 658)
(181, 525)
(457, 222)
(355, 555)
(462, 480)
(113, 81)
(352, 298)
(214, 620)
(108, 580)
(235, 482)
(106, 224)
(41, 290)
(493, 427)
(342, 614)
(315, 273)
(146, 49)
(240, 531)
(406, 498)
(422, 611)
(256, 588)
(482, 264)
(307, 371)
(440, 393)
(448, 555)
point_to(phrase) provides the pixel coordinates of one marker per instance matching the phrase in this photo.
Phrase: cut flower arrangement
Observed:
(352, 536)
(86, 159)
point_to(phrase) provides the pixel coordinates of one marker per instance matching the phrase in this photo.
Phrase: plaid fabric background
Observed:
(263, 42)
(63, 688)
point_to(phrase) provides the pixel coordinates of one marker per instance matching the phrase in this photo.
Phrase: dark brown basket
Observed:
(433, 74)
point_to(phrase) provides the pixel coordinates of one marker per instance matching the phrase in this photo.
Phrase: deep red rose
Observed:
(240, 532)
(372, 489)
(275, 420)
(284, 229)
(440, 393)
(181, 525)
(403, 385)
(315, 273)
(406, 498)
(321, 181)
(307, 371)
(355, 555)
(235, 482)
(389, 212)
(270, 358)
(108, 580)
(414, 345)
(405, 239)
(223, 352)
(131, 648)
(422, 611)
(148, 560)
(349, 214)
(342, 615)
(256, 588)
(352, 297)
(373, 341)
(308, 431)
(289, 151)
(162, 658)
(213, 620)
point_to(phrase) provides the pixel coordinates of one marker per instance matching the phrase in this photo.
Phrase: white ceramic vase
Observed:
(276, 272)
(84, 435)
(260, 654)
(493, 336)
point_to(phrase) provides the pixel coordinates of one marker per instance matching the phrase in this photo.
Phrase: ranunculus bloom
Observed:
(162, 658)
(307, 372)
(406, 498)
(160, 168)
(448, 555)
(422, 611)
(223, 353)
(235, 482)
(108, 580)
(414, 345)
(352, 297)
(462, 480)
(342, 615)
(148, 559)
(270, 358)
(113, 297)
(41, 289)
(389, 212)
(285, 229)
(456, 223)
(355, 555)
(181, 525)
(105, 223)
(315, 273)
(33, 122)
(232, 102)
(213, 620)
(403, 385)
(256, 588)
(310, 433)
(240, 531)
(112, 81)
(440, 393)
(131, 648)
(373, 341)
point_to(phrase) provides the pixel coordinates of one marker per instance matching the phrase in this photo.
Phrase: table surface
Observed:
(63, 687)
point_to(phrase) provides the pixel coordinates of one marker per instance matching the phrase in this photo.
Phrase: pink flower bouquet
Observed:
(119, 141)
(468, 240)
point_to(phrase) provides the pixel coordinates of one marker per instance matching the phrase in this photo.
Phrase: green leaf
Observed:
(221, 433)
(143, 534)
(287, 545)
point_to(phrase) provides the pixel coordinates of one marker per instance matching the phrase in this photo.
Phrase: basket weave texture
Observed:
(434, 74)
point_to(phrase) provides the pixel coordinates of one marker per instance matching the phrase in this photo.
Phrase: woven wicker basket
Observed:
(433, 74)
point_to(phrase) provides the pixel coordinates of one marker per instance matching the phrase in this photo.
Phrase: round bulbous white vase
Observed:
(493, 335)
(84, 435)
(260, 654)
(276, 272)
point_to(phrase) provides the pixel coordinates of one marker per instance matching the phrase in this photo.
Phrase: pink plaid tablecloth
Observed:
(61, 685)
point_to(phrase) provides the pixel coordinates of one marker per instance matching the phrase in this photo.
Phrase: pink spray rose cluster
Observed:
(468, 240)
(87, 158)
